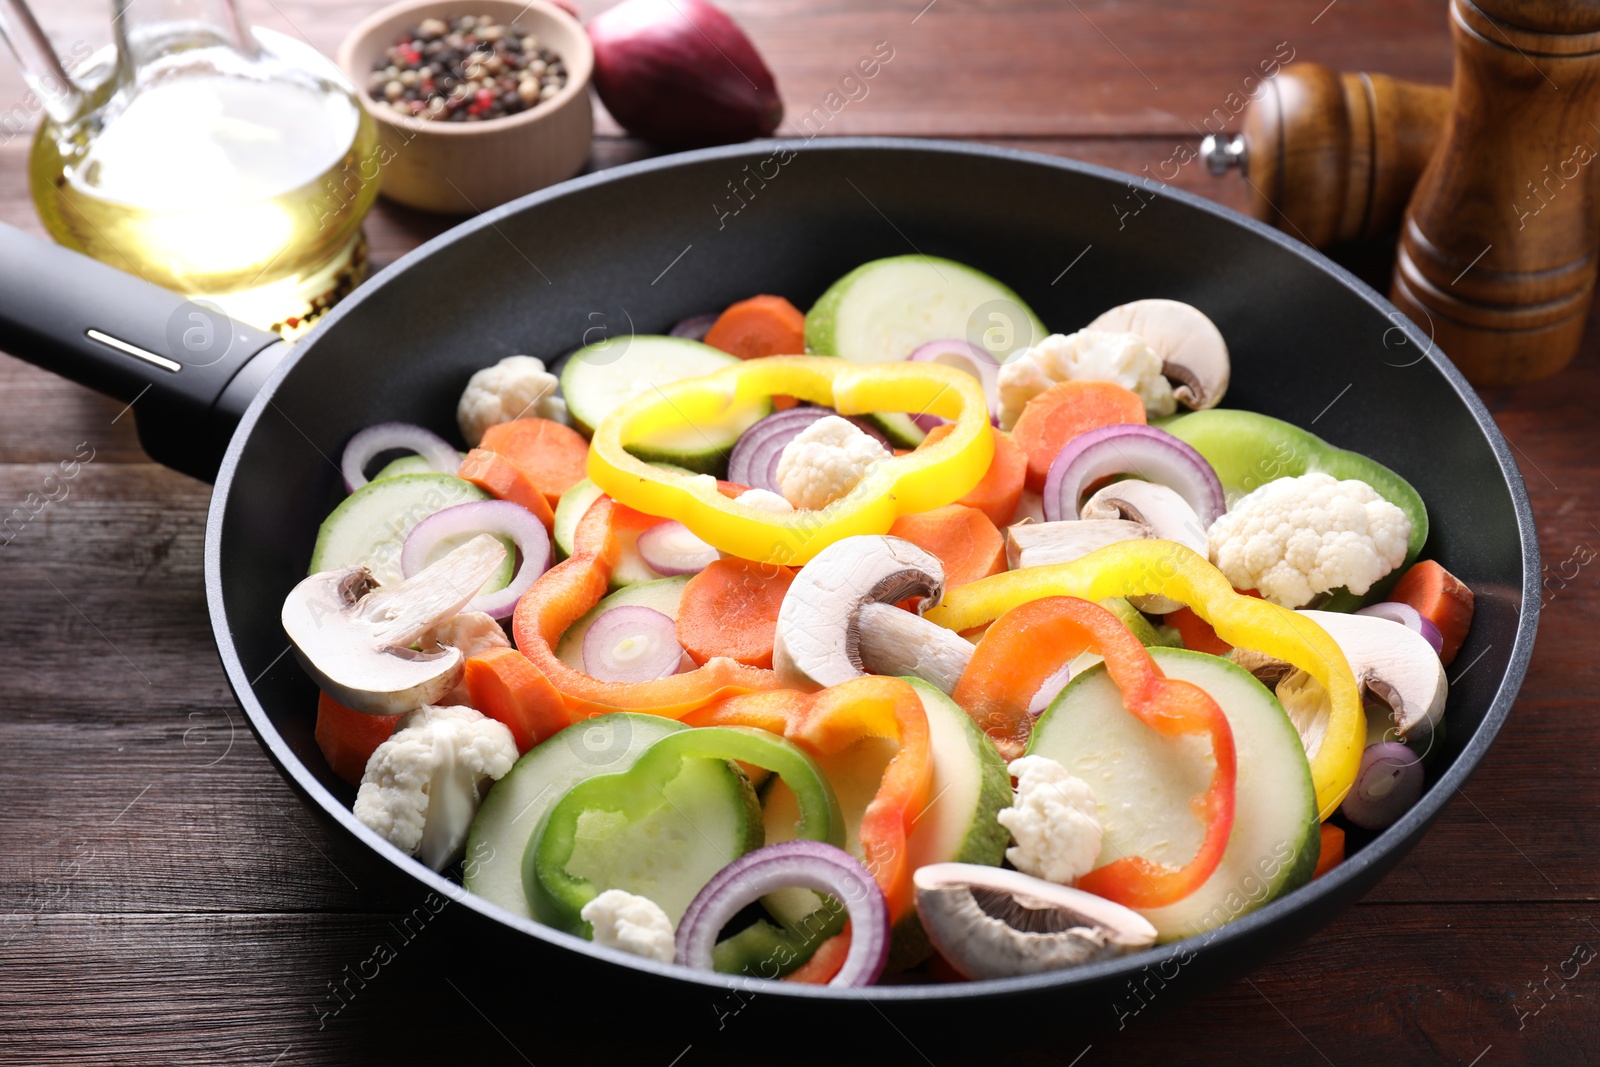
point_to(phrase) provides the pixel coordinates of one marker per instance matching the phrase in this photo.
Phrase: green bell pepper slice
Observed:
(1248, 450)
(767, 950)
(637, 793)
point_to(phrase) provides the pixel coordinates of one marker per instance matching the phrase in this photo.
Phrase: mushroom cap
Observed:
(1161, 510)
(1191, 347)
(1395, 664)
(1036, 544)
(354, 638)
(991, 922)
(818, 642)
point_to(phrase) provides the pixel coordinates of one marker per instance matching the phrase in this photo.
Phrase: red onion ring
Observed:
(366, 445)
(695, 327)
(499, 517)
(962, 355)
(631, 643)
(670, 548)
(754, 459)
(1410, 618)
(1388, 783)
(792, 864)
(1131, 448)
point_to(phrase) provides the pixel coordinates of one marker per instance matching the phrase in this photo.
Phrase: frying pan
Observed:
(636, 248)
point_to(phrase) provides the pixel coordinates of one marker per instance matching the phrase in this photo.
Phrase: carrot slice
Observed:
(731, 609)
(348, 738)
(1062, 412)
(760, 326)
(1332, 853)
(506, 687)
(998, 495)
(504, 480)
(963, 538)
(552, 456)
(1442, 599)
(1197, 634)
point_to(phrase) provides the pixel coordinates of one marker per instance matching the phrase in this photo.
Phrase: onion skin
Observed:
(681, 74)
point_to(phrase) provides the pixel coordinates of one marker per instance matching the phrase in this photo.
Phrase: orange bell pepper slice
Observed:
(560, 598)
(1028, 644)
(833, 719)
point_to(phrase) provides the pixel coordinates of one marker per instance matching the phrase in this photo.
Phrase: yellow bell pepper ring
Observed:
(932, 476)
(1166, 568)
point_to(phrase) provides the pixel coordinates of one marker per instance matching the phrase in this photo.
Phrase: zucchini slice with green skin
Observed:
(510, 815)
(370, 526)
(884, 310)
(598, 379)
(1144, 782)
(631, 569)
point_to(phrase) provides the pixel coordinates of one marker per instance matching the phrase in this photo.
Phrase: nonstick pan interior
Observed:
(637, 248)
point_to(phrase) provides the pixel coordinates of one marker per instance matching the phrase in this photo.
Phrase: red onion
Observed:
(1142, 451)
(499, 517)
(1388, 783)
(368, 444)
(962, 355)
(695, 327)
(789, 865)
(1410, 618)
(632, 643)
(754, 459)
(681, 73)
(670, 548)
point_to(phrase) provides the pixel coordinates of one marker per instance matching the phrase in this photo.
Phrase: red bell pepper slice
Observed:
(1028, 644)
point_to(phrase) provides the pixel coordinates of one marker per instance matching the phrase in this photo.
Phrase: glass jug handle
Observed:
(59, 95)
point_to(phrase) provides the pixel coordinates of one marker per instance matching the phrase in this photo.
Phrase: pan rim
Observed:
(1388, 847)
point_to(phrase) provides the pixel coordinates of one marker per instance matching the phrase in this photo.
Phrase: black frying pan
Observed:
(637, 248)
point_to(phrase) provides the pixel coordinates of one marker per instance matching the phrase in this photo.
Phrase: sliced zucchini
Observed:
(598, 379)
(517, 803)
(1144, 783)
(370, 526)
(884, 310)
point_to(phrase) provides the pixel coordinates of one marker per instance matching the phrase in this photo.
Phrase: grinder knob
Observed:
(1332, 157)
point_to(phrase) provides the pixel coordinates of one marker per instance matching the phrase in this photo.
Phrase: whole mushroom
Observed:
(1193, 353)
(839, 621)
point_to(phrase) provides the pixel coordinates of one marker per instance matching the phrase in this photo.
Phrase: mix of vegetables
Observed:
(842, 646)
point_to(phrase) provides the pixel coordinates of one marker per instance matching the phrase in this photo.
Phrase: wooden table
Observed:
(165, 898)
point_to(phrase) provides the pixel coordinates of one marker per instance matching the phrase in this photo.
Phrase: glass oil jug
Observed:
(229, 163)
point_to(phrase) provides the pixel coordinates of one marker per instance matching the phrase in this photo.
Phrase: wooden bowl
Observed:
(464, 167)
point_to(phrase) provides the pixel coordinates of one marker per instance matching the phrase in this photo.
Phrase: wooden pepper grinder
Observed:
(1333, 157)
(1497, 257)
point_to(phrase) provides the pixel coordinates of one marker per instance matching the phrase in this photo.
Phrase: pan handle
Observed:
(187, 370)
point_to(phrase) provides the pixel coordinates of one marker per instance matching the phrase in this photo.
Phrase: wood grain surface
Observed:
(165, 898)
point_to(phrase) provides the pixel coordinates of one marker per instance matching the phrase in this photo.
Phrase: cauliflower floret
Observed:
(515, 388)
(1053, 821)
(422, 786)
(1295, 538)
(472, 632)
(763, 500)
(631, 923)
(825, 461)
(1085, 356)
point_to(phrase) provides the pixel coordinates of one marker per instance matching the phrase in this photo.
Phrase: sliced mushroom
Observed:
(1034, 544)
(990, 922)
(1162, 512)
(839, 621)
(1392, 664)
(1193, 353)
(355, 638)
